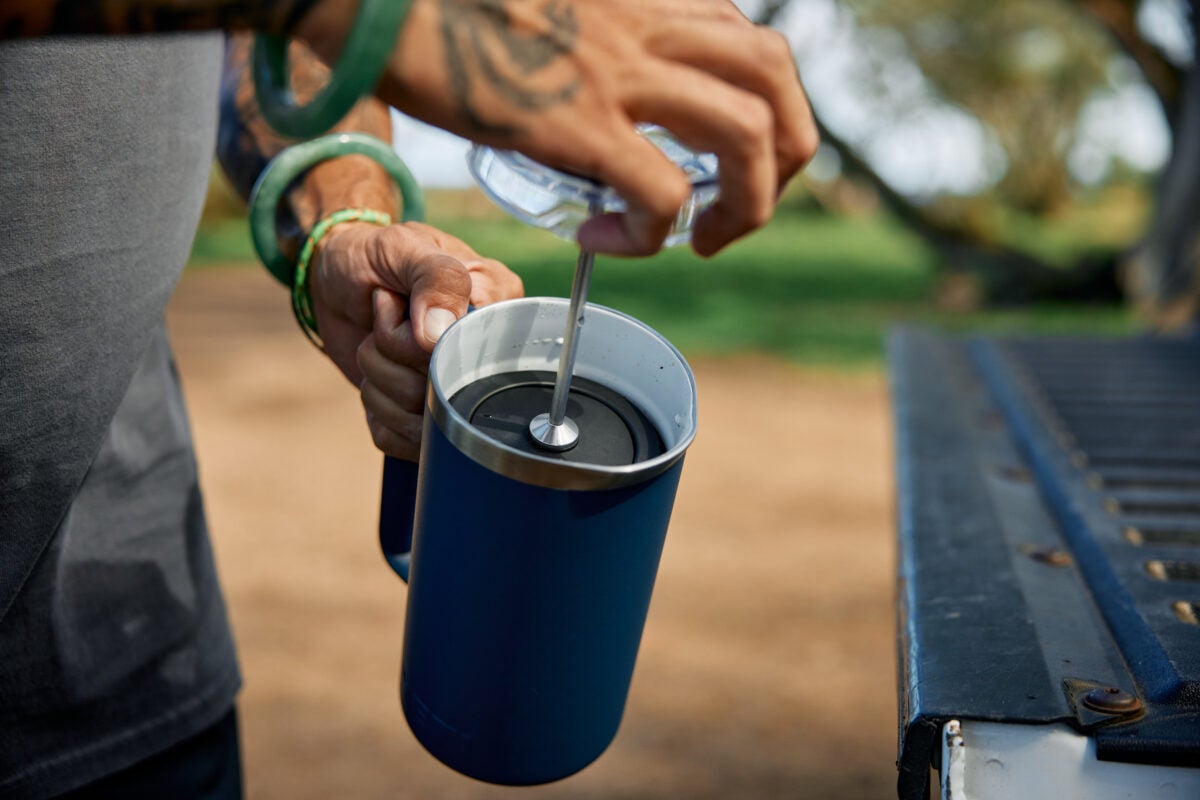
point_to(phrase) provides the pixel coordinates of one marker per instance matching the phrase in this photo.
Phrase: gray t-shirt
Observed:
(114, 642)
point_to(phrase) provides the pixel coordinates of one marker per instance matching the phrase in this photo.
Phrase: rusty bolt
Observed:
(1015, 473)
(992, 421)
(1050, 555)
(1111, 700)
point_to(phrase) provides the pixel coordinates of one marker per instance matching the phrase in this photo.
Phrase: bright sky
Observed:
(942, 149)
(434, 157)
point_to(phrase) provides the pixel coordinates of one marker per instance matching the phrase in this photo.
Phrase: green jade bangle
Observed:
(292, 162)
(301, 297)
(364, 57)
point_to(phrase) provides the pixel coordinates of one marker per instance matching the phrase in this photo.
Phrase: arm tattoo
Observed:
(245, 142)
(47, 17)
(524, 70)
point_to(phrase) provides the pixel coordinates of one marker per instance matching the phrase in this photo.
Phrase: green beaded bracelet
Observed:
(288, 165)
(301, 297)
(365, 55)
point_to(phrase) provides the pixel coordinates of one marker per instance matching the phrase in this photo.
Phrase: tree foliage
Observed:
(1024, 68)
(1026, 71)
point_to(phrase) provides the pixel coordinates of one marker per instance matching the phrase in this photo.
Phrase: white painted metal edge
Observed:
(997, 761)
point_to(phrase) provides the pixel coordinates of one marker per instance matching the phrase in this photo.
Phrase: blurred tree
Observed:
(1024, 71)
(1024, 68)
(1162, 73)
(1162, 273)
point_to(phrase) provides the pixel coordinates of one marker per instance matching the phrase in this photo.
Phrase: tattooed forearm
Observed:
(519, 96)
(49, 17)
(246, 143)
(488, 59)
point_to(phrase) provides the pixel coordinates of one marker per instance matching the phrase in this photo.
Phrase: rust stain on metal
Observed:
(1052, 556)
(992, 421)
(1186, 612)
(1015, 472)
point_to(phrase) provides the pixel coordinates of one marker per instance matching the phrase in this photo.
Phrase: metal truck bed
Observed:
(1048, 500)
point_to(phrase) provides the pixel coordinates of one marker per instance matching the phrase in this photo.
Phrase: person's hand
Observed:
(382, 297)
(564, 81)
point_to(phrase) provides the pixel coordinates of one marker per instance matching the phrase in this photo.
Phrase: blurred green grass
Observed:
(811, 287)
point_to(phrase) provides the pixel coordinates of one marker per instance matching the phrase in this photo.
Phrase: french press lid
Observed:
(560, 202)
(613, 432)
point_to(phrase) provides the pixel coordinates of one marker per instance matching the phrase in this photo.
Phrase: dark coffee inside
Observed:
(612, 431)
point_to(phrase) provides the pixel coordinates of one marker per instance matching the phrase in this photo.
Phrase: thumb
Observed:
(441, 289)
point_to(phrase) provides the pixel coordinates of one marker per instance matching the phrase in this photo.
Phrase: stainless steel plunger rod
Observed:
(555, 430)
(566, 361)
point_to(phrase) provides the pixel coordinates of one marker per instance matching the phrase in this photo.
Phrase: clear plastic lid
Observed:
(559, 201)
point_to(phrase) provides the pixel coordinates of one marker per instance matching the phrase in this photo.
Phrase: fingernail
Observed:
(604, 234)
(436, 322)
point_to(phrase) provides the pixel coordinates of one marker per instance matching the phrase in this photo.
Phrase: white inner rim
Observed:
(615, 350)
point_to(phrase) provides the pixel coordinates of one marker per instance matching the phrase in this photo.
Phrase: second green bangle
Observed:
(288, 165)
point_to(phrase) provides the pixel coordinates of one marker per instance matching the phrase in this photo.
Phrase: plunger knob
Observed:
(557, 438)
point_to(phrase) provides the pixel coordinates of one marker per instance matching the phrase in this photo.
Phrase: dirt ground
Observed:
(767, 667)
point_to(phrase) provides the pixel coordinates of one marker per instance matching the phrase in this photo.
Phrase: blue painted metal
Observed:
(1078, 519)
(1148, 388)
